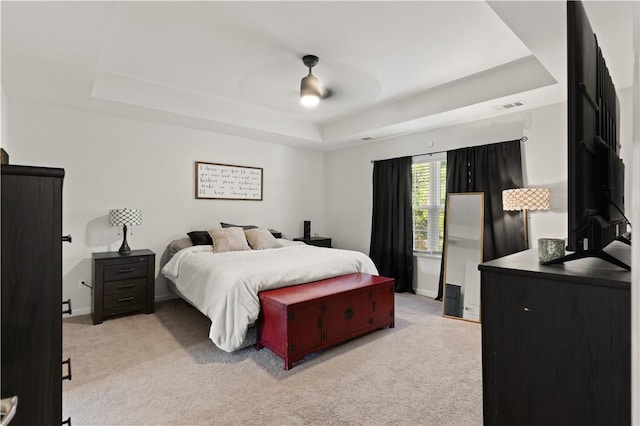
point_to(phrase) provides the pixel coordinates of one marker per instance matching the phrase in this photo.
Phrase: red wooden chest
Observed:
(298, 320)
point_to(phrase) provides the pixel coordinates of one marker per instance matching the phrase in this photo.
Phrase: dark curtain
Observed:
(489, 169)
(391, 224)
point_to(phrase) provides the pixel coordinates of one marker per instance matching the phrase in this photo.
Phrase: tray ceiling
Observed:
(235, 67)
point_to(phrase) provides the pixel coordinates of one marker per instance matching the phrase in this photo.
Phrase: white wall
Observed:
(112, 162)
(349, 205)
(349, 171)
(349, 174)
(544, 162)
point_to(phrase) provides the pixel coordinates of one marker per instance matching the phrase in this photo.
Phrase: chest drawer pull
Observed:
(66, 238)
(128, 285)
(126, 299)
(126, 271)
(68, 376)
(68, 303)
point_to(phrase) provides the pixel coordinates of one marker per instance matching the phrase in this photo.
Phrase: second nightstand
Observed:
(122, 284)
(315, 241)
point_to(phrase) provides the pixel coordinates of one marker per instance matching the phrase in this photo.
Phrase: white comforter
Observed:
(225, 286)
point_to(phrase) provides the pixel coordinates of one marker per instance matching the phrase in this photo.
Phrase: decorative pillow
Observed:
(200, 238)
(274, 232)
(228, 239)
(261, 238)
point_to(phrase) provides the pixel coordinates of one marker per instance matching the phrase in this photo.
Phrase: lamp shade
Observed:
(119, 217)
(526, 199)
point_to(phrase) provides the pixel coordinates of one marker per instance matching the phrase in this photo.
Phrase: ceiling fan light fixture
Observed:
(310, 89)
(310, 92)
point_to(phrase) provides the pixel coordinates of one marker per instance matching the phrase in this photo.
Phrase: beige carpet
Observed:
(161, 369)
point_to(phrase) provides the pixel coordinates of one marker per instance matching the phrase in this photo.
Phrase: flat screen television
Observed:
(596, 171)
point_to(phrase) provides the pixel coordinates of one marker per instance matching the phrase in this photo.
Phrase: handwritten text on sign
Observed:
(224, 181)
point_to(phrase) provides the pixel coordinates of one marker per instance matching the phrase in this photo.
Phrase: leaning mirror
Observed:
(463, 253)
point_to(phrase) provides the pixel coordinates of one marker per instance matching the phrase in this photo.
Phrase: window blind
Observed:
(428, 191)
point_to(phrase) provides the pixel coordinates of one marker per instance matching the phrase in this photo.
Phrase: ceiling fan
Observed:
(311, 91)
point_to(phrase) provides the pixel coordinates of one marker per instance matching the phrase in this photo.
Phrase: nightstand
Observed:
(122, 284)
(315, 241)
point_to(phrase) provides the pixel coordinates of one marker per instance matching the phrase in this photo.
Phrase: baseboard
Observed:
(87, 311)
(426, 293)
(163, 297)
(75, 312)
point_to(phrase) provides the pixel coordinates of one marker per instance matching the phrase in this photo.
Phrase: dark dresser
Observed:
(556, 341)
(315, 241)
(32, 307)
(123, 284)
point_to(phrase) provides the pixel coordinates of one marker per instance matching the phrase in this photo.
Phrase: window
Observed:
(429, 177)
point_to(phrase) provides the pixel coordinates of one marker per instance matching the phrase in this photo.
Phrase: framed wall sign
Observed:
(228, 182)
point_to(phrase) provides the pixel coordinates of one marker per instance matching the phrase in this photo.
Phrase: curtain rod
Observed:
(522, 139)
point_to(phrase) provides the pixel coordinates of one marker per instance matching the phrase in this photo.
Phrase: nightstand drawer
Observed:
(125, 286)
(125, 271)
(120, 303)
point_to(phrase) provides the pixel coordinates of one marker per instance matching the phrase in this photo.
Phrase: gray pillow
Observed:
(177, 245)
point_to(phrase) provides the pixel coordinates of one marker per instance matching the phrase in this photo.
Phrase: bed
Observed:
(224, 286)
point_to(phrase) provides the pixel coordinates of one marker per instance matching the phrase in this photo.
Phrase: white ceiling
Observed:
(235, 67)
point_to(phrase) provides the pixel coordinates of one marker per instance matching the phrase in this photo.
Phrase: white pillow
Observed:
(261, 238)
(228, 239)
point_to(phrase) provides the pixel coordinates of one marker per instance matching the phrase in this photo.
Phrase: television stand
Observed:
(556, 341)
(600, 254)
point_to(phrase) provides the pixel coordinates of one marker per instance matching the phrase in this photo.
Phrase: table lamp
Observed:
(526, 199)
(125, 217)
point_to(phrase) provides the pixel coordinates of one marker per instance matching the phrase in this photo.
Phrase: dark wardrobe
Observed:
(32, 307)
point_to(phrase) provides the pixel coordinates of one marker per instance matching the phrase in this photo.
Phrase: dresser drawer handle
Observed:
(125, 299)
(125, 271)
(67, 302)
(68, 376)
(66, 238)
(126, 285)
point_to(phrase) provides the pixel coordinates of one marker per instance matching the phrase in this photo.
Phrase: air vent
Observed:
(508, 106)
